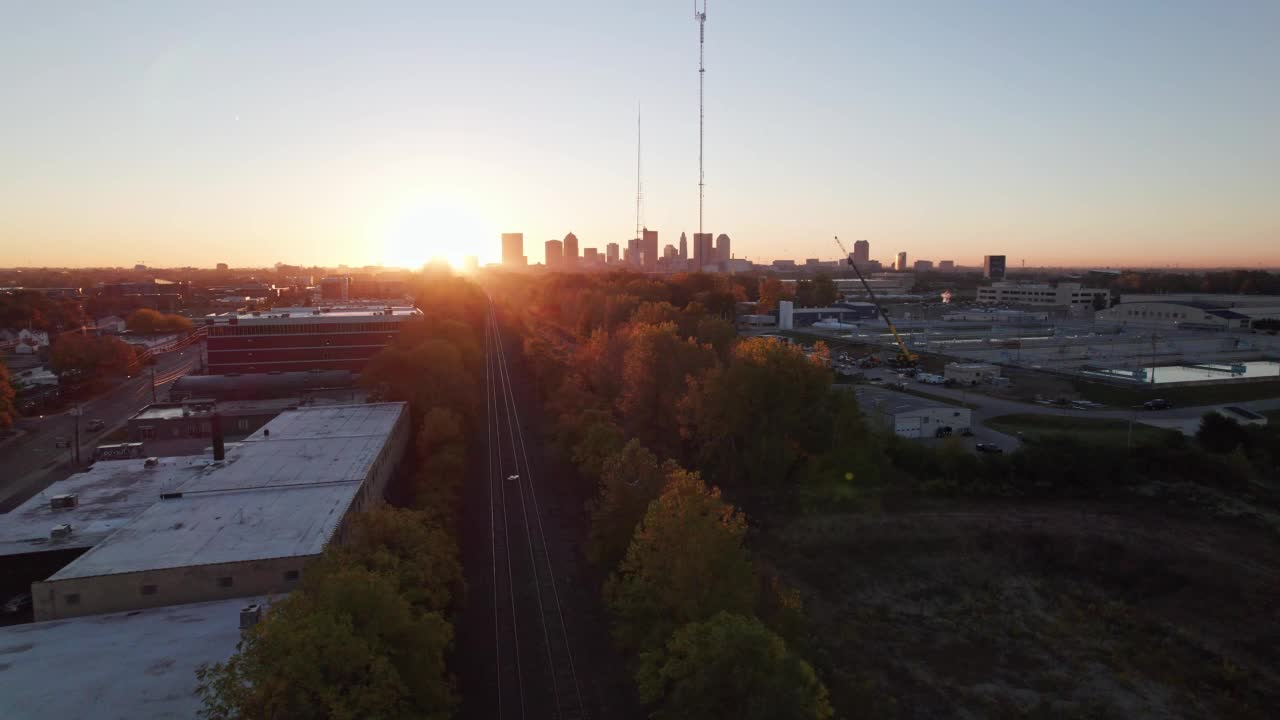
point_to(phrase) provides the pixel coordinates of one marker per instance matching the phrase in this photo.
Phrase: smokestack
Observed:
(219, 442)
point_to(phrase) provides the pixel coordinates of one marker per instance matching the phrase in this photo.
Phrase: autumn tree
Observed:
(730, 667)
(8, 413)
(429, 374)
(685, 563)
(655, 373)
(91, 357)
(345, 645)
(771, 291)
(440, 429)
(146, 321)
(629, 481)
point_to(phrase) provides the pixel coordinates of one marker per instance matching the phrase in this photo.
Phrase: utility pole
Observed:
(153, 384)
(701, 17)
(75, 451)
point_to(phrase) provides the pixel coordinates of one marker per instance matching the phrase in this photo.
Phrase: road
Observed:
(533, 641)
(31, 461)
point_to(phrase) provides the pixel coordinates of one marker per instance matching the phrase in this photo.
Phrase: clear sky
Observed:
(1096, 132)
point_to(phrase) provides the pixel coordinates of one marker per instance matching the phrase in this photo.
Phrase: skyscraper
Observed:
(901, 265)
(684, 247)
(722, 249)
(634, 256)
(861, 251)
(554, 254)
(570, 250)
(669, 251)
(649, 248)
(993, 267)
(703, 253)
(513, 249)
(611, 253)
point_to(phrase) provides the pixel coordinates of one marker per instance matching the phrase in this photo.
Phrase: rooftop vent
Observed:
(60, 532)
(250, 615)
(151, 462)
(65, 501)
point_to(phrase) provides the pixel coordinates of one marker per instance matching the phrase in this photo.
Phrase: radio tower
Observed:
(639, 194)
(701, 17)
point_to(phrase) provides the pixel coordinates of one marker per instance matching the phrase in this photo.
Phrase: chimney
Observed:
(219, 443)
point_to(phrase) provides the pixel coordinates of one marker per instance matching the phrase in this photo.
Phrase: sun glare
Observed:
(432, 230)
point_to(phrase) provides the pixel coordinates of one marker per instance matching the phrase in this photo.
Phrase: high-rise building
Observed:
(669, 251)
(590, 257)
(923, 265)
(684, 247)
(570, 250)
(649, 248)
(703, 253)
(513, 249)
(946, 265)
(222, 267)
(611, 253)
(993, 267)
(635, 254)
(722, 249)
(861, 251)
(554, 253)
(901, 264)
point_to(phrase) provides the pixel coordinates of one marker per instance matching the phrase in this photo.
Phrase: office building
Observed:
(684, 247)
(704, 254)
(669, 252)
(553, 254)
(923, 265)
(723, 251)
(590, 257)
(649, 249)
(635, 255)
(946, 265)
(570, 250)
(222, 267)
(611, 253)
(861, 251)
(241, 526)
(901, 264)
(993, 267)
(301, 338)
(1060, 294)
(513, 250)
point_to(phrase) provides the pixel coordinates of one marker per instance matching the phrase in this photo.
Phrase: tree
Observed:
(1220, 434)
(629, 480)
(146, 321)
(441, 427)
(600, 439)
(8, 413)
(427, 375)
(824, 291)
(771, 291)
(685, 563)
(90, 357)
(655, 373)
(730, 667)
(345, 645)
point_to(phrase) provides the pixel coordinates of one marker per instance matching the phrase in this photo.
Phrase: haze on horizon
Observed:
(1139, 133)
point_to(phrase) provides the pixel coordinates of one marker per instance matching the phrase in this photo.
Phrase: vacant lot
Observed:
(1019, 612)
(1098, 430)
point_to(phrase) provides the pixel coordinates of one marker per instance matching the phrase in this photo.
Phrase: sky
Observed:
(1083, 133)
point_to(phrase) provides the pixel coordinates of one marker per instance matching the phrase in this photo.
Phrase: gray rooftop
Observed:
(281, 495)
(138, 664)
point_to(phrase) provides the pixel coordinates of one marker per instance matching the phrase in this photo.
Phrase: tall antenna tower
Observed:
(701, 17)
(639, 191)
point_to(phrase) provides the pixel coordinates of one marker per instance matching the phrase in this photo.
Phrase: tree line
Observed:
(367, 632)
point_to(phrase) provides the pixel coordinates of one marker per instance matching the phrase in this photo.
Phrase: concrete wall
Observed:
(100, 594)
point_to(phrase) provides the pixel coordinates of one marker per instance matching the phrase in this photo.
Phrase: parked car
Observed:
(988, 448)
(96, 425)
(1157, 404)
(17, 604)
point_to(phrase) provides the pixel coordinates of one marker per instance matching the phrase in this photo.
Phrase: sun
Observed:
(436, 228)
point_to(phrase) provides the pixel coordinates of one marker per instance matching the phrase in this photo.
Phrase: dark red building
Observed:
(292, 339)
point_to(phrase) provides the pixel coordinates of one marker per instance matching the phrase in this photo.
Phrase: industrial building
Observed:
(971, 373)
(185, 427)
(244, 524)
(301, 338)
(1064, 294)
(791, 317)
(914, 418)
(137, 664)
(1194, 314)
(334, 384)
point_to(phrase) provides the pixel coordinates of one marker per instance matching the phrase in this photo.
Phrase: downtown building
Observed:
(301, 338)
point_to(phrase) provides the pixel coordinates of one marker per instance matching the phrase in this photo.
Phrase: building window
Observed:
(149, 589)
(224, 582)
(290, 575)
(242, 424)
(72, 599)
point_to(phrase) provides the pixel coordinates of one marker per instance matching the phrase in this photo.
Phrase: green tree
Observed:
(1220, 434)
(600, 439)
(441, 427)
(824, 291)
(8, 413)
(685, 563)
(345, 645)
(730, 667)
(629, 480)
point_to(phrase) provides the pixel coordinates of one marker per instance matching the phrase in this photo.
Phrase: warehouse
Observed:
(918, 418)
(971, 373)
(1187, 314)
(791, 317)
(245, 524)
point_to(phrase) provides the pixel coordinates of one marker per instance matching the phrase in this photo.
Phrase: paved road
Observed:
(31, 461)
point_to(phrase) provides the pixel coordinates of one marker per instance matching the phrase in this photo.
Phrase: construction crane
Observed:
(906, 358)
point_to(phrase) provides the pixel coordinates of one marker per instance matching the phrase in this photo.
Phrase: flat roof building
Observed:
(261, 386)
(1061, 294)
(513, 250)
(241, 526)
(993, 267)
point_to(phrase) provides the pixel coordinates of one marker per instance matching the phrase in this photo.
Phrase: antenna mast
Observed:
(701, 17)
(639, 193)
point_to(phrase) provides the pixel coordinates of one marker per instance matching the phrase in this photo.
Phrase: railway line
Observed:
(533, 671)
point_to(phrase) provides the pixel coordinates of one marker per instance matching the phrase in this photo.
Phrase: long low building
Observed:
(791, 317)
(1199, 314)
(243, 525)
(1063, 294)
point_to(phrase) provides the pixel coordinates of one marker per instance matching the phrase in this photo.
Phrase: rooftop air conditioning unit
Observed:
(60, 532)
(250, 615)
(151, 462)
(65, 501)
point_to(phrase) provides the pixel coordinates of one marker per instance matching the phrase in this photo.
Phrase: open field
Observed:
(1094, 430)
(1015, 611)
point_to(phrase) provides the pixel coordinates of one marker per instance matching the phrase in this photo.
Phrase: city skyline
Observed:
(179, 136)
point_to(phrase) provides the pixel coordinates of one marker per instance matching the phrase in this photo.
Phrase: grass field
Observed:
(1094, 430)
(1117, 396)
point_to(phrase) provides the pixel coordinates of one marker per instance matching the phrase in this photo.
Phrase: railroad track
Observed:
(534, 672)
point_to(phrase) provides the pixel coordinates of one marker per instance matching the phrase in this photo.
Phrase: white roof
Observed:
(138, 664)
(275, 496)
